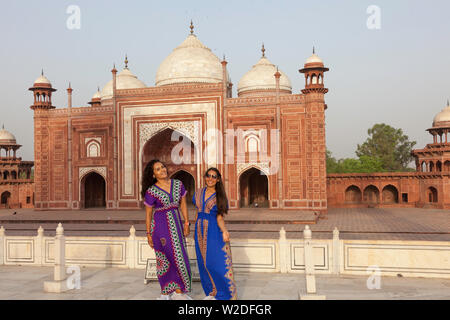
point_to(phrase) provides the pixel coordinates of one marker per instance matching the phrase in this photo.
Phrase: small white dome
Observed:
(7, 137)
(262, 76)
(124, 80)
(443, 116)
(42, 80)
(314, 59)
(96, 95)
(190, 62)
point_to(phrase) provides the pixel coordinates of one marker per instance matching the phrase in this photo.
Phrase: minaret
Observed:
(314, 70)
(315, 184)
(69, 143)
(42, 91)
(115, 150)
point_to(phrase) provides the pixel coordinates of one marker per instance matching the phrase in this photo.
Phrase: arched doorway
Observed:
(390, 194)
(371, 195)
(189, 183)
(93, 191)
(432, 194)
(254, 189)
(447, 166)
(353, 195)
(5, 199)
(161, 147)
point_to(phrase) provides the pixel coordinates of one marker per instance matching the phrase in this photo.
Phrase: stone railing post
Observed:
(60, 254)
(336, 251)
(284, 260)
(2, 246)
(131, 248)
(309, 267)
(59, 284)
(39, 242)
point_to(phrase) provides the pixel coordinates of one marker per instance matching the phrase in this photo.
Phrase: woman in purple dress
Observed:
(164, 198)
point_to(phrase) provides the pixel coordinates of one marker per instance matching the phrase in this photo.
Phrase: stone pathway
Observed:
(24, 282)
(354, 223)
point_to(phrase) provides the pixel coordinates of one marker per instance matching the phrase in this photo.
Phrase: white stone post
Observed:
(336, 251)
(284, 260)
(131, 248)
(309, 267)
(60, 254)
(2, 246)
(59, 284)
(39, 241)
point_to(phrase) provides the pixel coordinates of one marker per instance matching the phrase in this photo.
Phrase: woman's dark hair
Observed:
(147, 178)
(221, 196)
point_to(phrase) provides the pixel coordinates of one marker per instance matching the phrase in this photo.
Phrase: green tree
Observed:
(389, 145)
(364, 164)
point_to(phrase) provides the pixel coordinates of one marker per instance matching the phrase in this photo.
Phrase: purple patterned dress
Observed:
(172, 262)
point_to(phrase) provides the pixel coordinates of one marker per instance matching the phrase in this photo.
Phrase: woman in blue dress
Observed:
(212, 240)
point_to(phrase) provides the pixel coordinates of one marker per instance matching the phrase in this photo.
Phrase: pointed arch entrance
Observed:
(93, 191)
(5, 198)
(254, 189)
(160, 146)
(432, 194)
(371, 195)
(188, 181)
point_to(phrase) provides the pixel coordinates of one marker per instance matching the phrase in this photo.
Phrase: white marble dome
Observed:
(124, 80)
(7, 137)
(96, 95)
(443, 116)
(190, 62)
(314, 58)
(262, 77)
(42, 80)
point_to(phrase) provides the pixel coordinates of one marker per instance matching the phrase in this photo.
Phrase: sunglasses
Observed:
(212, 176)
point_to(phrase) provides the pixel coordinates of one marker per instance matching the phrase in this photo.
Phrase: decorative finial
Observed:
(70, 85)
(314, 50)
(448, 103)
(42, 72)
(263, 50)
(192, 27)
(98, 88)
(126, 62)
(3, 126)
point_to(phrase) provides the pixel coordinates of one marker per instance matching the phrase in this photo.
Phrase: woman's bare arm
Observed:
(148, 223)
(221, 223)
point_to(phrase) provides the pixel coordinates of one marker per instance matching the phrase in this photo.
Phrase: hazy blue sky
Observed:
(398, 75)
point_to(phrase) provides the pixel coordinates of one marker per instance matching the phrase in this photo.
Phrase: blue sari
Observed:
(213, 254)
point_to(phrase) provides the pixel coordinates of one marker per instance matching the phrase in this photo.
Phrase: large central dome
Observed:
(190, 62)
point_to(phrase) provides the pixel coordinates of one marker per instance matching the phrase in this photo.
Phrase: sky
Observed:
(396, 74)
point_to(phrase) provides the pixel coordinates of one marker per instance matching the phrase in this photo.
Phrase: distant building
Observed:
(16, 184)
(428, 186)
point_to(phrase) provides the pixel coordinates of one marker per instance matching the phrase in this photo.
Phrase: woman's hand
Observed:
(187, 229)
(226, 236)
(150, 240)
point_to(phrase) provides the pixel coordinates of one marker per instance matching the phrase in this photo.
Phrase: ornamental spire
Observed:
(192, 27)
(126, 62)
(263, 50)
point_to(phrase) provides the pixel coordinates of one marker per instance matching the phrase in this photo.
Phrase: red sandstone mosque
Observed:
(94, 156)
